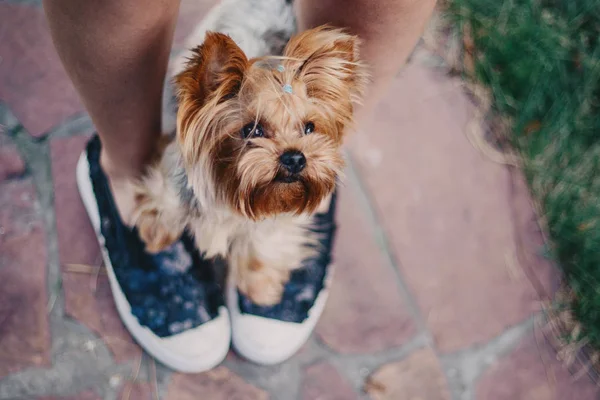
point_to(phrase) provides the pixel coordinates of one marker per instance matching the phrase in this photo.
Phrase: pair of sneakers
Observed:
(172, 304)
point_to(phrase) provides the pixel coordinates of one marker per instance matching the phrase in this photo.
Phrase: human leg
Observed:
(116, 54)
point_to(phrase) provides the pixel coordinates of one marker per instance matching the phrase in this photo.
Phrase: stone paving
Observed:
(440, 280)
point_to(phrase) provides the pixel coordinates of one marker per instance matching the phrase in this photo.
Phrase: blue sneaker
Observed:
(170, 302)
(272, 334)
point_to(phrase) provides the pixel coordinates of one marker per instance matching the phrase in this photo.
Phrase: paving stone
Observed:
(87, 395)
(25, 335)
(544, 277)
(417, 377)
(191, 13)
(32, 80)
(217, 384)
(136, 391)
(533, 372)
(322, 381)
(11, 163)
(88, 296)
(448, 213)
(365, 312)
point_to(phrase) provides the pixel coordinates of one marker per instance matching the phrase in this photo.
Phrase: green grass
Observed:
(541, 60)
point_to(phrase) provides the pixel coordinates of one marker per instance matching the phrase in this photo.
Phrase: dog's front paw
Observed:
(154, 233)
(156, 230)
(263, 287)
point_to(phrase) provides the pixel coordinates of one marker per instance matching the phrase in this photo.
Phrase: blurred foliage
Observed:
(541, 60)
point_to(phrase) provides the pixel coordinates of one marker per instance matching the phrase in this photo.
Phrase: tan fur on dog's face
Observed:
(236, 120)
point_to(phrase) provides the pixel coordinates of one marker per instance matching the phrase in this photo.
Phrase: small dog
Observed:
(257, 152)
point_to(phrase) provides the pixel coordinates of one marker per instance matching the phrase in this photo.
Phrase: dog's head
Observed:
(269, 130)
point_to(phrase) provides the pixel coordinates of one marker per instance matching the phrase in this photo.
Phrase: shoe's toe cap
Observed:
(197, 349)
(269, 341)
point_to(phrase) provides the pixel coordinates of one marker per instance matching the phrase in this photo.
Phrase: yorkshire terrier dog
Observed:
(256, 153)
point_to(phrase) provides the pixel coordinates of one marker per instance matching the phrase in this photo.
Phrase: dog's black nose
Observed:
(293, 160)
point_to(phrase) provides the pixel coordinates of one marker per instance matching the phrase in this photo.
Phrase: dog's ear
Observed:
(330, 64)
(216, 67)
(213, 74)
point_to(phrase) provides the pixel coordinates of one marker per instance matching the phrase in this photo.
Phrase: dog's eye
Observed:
(252, 130)
(309, 128)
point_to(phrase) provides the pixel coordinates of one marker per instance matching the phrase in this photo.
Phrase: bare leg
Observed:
(116, 53)
(389, 30)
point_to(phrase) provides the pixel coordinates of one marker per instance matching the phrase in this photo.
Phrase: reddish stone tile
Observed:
(417, 377)
(423, 84)
(449, 215)
(11, 163)
(544, 277)
(25, 335)
(32, 80)
(411, 90)
(217, 384)
(365, 312)
(533, 372)
(136, 391)
(87, 298)
(191, 13)
(87, 395)
(323, 382)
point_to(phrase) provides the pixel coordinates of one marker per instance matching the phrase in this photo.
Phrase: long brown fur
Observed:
(243, 206)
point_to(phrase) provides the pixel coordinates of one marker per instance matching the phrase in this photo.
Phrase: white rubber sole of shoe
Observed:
(195, 350)
(267, 341)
